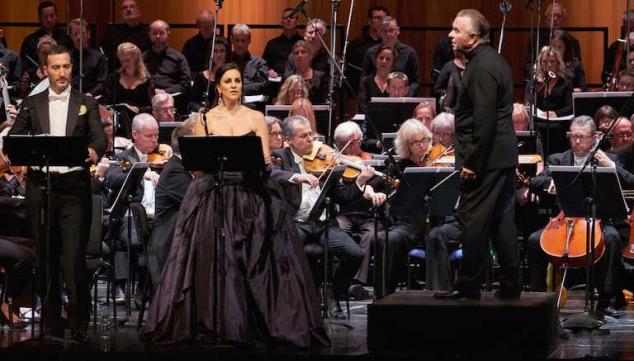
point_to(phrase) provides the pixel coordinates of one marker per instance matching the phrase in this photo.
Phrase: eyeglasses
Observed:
(443, 135)
(170, 110)
(624, 135)
(575, 137)
(419, 142)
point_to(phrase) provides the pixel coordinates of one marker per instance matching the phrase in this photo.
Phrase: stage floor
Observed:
(614, 340)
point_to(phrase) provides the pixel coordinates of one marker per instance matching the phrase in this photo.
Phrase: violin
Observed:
(324, 159)
(436, 153)
(564, 241)
(159, 156)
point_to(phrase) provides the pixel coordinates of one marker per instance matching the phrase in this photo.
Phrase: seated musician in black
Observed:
(582, 135)
(355, 216)
(170, 190)
(302, 189)
(145, 135)
(444, 235)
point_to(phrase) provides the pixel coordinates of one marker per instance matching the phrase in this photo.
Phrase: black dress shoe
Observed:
(456, 294)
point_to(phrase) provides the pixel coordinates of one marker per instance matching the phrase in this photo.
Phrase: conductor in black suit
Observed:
(486, 155)
(301, 190)
(62, 111)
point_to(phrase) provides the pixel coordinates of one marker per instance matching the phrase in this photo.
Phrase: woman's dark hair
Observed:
(221, 71)
(222, 40)
(388, 48)
(565, 38)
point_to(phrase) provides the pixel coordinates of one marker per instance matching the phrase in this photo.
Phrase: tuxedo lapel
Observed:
(73, 113)
(41, 108)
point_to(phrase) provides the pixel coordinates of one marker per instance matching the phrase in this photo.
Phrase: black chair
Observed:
(315, 253)
(97, 261)
(144, 231)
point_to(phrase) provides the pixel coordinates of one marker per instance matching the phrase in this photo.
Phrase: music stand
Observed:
(526, 141)
(587, 103)
(216, 155)
(45, 151)
(321, 115)
(388, 113)
(322, 203)
(596, 194)
(119, 208)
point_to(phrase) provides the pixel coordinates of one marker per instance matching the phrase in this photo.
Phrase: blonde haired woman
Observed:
(294, 87)
(131, 86)
(554, 91)
(413, 143)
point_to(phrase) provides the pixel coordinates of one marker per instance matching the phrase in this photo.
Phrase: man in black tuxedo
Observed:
(170, 190)
(62, 111)
(582, 136)
(486, 155)
(301, 190)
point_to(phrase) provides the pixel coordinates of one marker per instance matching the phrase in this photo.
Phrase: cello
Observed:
(564, 242)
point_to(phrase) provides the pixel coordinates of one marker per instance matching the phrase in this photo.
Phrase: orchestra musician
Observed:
(62, 111)
(302, 189)
(582, 136)
(355, 216)
(145, 132)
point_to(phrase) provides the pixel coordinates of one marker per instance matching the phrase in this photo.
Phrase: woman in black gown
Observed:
(269, 294)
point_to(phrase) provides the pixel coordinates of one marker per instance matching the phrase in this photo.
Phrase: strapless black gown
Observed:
(269, 292)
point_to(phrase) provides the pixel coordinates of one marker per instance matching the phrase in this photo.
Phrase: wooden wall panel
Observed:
(439, 13)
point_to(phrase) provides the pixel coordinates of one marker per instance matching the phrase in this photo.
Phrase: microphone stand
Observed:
(532, 89)
(205, 103)
(505, 8)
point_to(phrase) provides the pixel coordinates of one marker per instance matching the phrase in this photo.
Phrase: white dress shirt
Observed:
(58, 116)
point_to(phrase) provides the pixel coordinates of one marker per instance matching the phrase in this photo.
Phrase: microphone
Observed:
(219, 4)
(299, 8)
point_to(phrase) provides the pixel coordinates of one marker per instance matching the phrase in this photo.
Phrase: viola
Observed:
(564, 241)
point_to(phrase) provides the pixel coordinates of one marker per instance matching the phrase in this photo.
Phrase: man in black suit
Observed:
(301, 190)
(486, 155)
(170, 190)
(62, 111)
(582, 136)
(145, 132)
(47, 16)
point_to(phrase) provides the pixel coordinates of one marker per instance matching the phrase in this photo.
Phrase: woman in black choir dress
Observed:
(303, 55)
(574, 68)
(222, 52)
(130, 88)
(269, 294)
(554, 95)
(375, 84)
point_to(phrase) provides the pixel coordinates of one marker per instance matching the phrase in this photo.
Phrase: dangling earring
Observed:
(220, 102)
